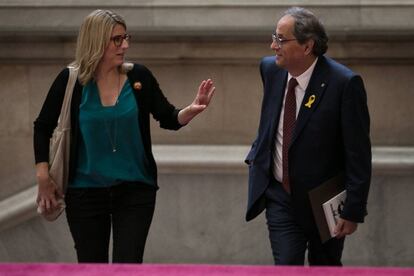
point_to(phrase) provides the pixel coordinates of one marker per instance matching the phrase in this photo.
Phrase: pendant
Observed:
(113, 150)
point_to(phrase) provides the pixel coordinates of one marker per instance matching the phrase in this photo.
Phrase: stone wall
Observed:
(199, 217)
(182, 42)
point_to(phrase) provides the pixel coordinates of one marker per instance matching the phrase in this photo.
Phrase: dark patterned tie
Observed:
(289, 119)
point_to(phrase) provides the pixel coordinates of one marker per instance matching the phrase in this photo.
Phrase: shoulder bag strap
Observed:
(64, 117)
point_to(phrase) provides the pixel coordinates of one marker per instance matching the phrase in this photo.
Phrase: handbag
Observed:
(59, 149)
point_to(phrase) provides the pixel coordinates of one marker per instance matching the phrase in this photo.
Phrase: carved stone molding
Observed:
(207, 18)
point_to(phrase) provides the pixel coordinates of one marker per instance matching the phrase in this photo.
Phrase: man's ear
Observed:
(309, 47)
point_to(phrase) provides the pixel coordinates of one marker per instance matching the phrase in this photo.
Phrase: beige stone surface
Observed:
(199, 218)
(233, 115)
(390, 98)
(208, 16)
(15, 128)
(183, 42)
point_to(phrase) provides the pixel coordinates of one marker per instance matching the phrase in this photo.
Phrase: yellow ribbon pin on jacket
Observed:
(311, 100)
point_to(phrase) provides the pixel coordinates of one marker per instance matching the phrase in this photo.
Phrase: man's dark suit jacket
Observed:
(330, 137)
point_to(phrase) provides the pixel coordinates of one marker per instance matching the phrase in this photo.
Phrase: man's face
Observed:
(290, 54)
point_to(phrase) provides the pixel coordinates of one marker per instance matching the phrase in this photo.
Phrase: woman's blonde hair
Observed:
(94, 36)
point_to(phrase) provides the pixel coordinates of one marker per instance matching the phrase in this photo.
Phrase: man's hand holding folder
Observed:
(345, 227)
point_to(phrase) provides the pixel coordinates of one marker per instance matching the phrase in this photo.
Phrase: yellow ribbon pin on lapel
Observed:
(311, 100)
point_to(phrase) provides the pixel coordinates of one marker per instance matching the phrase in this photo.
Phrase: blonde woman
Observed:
(112, 175)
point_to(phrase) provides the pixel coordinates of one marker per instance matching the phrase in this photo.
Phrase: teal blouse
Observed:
(111, 148)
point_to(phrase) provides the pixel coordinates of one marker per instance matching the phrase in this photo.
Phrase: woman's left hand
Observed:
(201, 101)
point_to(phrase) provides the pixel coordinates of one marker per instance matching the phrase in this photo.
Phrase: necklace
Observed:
(108, 132)
(112, 140)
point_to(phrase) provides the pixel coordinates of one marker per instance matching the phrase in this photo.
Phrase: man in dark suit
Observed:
(314, 125)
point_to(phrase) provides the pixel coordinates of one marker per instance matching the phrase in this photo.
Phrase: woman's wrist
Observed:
(185, 115)
(42, 170)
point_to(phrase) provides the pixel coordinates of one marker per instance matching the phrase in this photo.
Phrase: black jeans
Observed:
(127, 207)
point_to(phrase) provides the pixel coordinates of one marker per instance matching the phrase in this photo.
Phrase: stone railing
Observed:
(179, 159)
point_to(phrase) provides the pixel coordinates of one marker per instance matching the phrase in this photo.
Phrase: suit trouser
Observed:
(127, 208)
(289, 240)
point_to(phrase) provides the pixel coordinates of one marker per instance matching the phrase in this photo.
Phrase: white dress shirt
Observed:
(303, 81)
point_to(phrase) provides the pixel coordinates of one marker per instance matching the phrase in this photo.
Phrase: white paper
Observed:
(332, 209)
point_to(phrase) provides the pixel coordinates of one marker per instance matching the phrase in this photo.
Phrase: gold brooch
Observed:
(137, 85)
(311, 100)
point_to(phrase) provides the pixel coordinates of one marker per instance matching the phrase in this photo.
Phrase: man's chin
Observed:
(279, 62)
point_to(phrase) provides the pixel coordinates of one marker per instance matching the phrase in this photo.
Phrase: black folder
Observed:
(319, 196)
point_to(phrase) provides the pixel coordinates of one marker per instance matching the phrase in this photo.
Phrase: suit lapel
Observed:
(277, 92)
(313, 94)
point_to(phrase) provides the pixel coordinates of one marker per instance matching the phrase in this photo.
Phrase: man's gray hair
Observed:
(308, 26)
